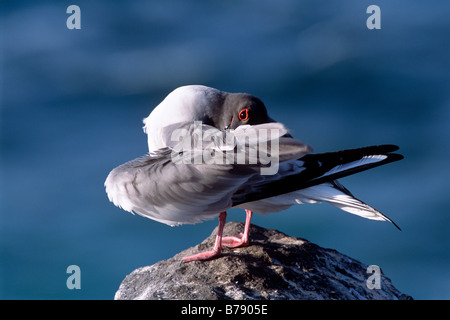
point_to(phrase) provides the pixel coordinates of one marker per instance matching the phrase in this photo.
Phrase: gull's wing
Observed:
(194, 179)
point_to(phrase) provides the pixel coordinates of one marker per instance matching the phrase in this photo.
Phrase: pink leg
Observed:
(206, 255)
(242, 239)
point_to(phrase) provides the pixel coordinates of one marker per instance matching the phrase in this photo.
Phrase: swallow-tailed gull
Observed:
(210, 151)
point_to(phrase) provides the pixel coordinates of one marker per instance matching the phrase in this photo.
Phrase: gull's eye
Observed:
(243, 115)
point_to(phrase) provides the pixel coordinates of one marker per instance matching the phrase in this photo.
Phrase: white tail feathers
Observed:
(357, 207)
(336, 195)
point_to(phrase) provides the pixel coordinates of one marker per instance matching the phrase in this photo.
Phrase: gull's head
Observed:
(239, 109)
(213, 107)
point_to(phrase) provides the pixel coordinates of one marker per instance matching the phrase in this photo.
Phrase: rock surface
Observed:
(274, 266)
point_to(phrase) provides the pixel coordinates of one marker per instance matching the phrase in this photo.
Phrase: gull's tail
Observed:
(337, 195)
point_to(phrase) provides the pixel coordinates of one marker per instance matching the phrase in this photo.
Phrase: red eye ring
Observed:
(243, 115)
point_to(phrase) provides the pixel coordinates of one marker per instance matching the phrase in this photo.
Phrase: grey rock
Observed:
(274, 266)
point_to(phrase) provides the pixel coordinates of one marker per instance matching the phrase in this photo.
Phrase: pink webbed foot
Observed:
(202, 256)
(232, 241)
(235, 241)
(240, 240)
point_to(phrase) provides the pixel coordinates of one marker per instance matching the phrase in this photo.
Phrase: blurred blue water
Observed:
(72, 102)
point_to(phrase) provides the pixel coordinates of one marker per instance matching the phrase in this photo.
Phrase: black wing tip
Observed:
(379, 149)
(389, 147)
(384, 149)
(396, 156)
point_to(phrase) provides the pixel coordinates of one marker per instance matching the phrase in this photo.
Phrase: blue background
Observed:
(72, 104)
